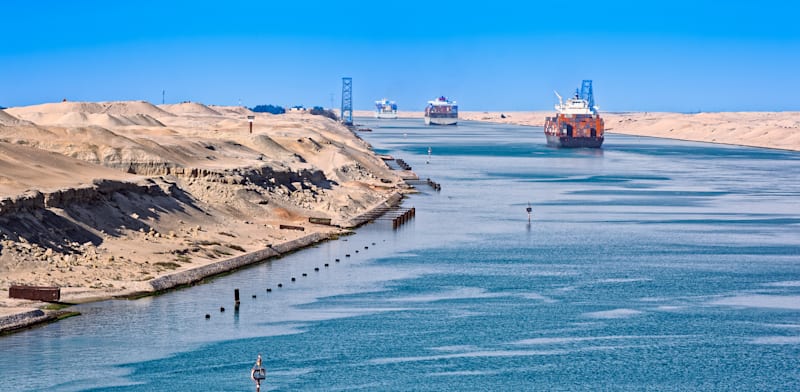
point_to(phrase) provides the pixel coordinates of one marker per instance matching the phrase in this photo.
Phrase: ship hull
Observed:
(574, 131)
(390, 116)
(441, 120)
(574, 142)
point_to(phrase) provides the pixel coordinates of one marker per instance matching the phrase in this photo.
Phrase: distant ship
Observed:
(385, 109)
(441, 112)
(576, 123)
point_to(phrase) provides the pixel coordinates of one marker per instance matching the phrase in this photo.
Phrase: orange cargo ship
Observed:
(576, 123)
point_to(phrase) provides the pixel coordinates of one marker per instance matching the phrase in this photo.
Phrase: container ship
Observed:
(385, 109)
(576, 123)
(440, 111)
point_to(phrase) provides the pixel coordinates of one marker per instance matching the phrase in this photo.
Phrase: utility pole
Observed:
(163, 95)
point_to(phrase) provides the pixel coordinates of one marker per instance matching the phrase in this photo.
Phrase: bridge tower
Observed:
(347, 101)
(587, 94)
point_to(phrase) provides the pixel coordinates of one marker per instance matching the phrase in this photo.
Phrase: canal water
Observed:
(647, 265)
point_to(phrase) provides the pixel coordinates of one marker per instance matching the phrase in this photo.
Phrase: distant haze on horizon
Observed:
(500, 56)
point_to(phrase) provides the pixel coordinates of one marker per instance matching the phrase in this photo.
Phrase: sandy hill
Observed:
(104, 197)
(107, 114)
(758, 129)
(7, 119)
(190, 109)
(24, 168)
(233, 110)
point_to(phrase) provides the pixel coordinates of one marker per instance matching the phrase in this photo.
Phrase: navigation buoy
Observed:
(258, 373)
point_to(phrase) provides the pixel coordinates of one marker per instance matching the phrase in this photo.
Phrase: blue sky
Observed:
(644, 56)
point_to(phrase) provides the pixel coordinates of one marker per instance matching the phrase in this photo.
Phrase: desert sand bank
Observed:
(112, 199)
(779, 130)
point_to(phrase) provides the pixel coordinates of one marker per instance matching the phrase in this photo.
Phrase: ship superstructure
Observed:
(385, 108)
(441, 111)
(576, 123)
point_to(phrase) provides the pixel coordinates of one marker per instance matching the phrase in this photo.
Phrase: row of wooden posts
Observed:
(435, 185)
(403, 165)
(236, 297)
(401, 219)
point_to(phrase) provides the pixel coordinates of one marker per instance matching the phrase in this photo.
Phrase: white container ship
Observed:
(385, 109)
(441, 111)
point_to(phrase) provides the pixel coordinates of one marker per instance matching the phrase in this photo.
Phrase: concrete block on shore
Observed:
(23, 319)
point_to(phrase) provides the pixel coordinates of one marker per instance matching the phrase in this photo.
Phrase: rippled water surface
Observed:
(649, 264)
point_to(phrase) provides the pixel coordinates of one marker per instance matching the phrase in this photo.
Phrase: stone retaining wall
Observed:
(299, 243)
(200, 273)
(19, 320)
(196, 274)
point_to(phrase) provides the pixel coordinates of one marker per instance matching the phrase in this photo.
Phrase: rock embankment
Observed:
(23, 318)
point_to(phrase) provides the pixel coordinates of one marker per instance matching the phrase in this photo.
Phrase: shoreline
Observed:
(16, 319)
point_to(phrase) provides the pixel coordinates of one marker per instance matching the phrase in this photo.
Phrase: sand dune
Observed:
(102, 198)
(23, 168)
(758, 129)
(232, 110)
(189, 108)
(124, 108)
(7, 119)
(106, 114)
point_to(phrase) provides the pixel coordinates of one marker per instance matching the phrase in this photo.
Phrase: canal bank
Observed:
(30, 313)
